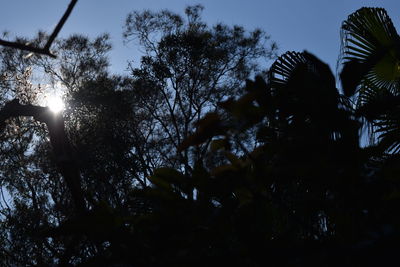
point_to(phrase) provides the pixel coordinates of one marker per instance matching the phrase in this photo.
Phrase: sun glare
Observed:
(52, 97)
(55, 104)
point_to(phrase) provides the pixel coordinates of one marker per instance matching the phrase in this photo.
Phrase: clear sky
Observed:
(294, 24)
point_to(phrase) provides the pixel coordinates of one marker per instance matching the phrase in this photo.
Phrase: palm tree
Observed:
(371, 73)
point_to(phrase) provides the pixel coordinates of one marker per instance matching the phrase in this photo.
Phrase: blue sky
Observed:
(294, 24)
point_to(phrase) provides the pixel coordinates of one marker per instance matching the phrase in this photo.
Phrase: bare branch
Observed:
(24, 47)
(60, 24)
(46, 49)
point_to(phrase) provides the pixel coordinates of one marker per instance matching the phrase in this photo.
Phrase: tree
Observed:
(291, 184)
(34, 167)
(104, 129)
(308, 187)
(187, 69)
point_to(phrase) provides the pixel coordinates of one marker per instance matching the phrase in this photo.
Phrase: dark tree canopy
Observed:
(188, 68)
(189, 160)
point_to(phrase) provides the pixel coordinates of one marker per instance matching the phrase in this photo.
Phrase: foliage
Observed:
(371, 70)
(187, 69)
(186, 163)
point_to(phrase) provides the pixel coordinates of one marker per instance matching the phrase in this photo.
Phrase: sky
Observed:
(296, 25)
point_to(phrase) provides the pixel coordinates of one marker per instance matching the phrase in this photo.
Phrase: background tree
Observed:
(31, 174)
(187, 69)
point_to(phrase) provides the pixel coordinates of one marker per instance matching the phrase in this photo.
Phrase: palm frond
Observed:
(371, 72)
(388, 129)
(304, 91)
(302, 68)
(284, 66)
(366, 31)
(303, 76)
(370, 51)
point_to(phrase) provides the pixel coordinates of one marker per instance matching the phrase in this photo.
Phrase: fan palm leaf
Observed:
(305, 92)
(303, 84)
(370, 51)
(371, 71)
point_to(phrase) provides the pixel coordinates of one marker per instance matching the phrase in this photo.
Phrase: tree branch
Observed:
(29, 48)
(46, 49)
(59, 141)
(60, 24)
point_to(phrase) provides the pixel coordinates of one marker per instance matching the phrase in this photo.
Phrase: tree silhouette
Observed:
(289, 183)
(187, 69)
(102, 129)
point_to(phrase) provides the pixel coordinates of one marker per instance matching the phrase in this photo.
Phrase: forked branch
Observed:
(46, 49)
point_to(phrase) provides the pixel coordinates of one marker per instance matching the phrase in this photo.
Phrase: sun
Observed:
(51, 96)
(55, 103)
